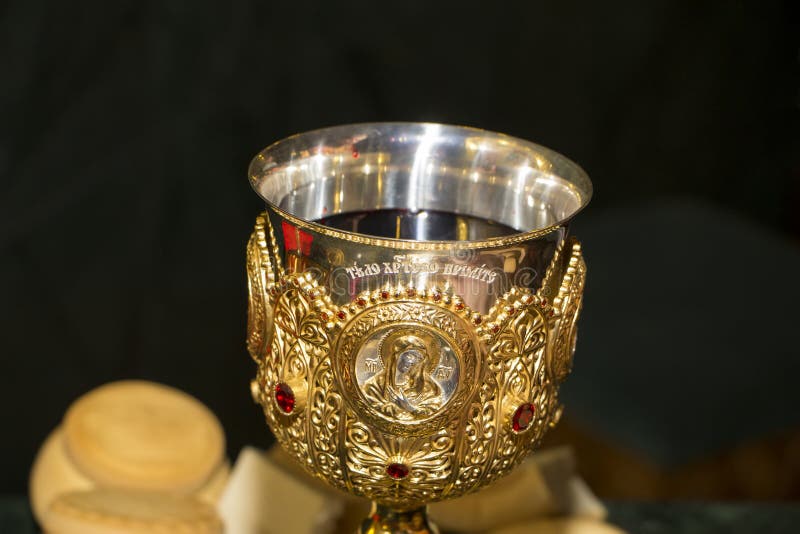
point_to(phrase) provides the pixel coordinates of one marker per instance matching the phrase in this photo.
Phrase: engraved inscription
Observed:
(403, 264)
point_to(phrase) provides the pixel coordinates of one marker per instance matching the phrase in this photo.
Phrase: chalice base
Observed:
(386, 520)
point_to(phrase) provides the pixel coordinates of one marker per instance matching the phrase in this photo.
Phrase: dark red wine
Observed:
(425, 225)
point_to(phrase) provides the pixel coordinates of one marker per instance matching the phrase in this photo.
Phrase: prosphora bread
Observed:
(142, 435)
(565, 525)
(53, 473)
(212, 490)
(120, 511)
(132, 434)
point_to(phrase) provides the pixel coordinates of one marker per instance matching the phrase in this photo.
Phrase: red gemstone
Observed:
(284, 397)
(384, 295)
(397, 471)
(523, 417)
(510, 310)
(437, 297)
(341, 315)
(355, 153)
(459, 305)
(543, 302)
(477, 319)
(411, 291)
(324, 316)
(312, 295)
(361, 302)
(495, 328)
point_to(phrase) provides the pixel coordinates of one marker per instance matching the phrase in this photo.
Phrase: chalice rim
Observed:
(579, 181)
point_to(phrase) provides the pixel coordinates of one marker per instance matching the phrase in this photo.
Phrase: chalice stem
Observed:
(386, 520)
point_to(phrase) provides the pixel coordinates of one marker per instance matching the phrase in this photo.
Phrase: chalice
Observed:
(414, 292)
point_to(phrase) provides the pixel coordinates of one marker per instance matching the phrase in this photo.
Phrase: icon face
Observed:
(406, 373)
(408, 368)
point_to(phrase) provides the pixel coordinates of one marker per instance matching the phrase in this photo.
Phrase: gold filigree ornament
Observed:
(405, 395)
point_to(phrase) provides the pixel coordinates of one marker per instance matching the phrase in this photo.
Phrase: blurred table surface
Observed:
(633, 516)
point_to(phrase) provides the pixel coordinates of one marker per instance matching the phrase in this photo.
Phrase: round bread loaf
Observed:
(119, 511)
(560, 526)
(212, 490)
(52, 474)
(142, 435)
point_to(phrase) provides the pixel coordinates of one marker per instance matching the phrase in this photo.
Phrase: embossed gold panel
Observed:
(408, 376)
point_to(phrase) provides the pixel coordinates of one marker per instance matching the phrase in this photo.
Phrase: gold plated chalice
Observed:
(414, 293)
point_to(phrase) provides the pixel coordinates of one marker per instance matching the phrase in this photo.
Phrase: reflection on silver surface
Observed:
(416, 167)
(458, 210)
(420, 225)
